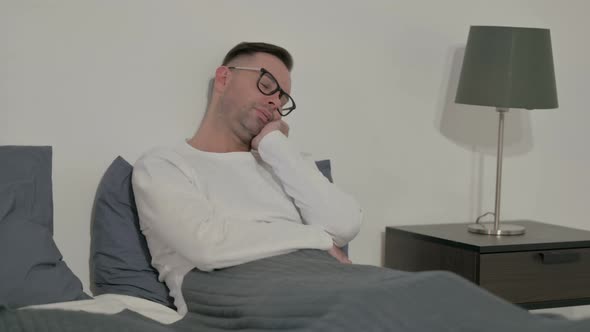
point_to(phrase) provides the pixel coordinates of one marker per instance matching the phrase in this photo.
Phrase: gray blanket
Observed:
(36, 320)
(309, 291)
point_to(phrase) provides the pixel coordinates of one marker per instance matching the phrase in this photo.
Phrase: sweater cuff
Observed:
(275, 141)
(327, 241)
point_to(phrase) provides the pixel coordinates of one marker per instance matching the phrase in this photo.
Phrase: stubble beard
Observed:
(248, 124)
(250, 119)
(242, 122)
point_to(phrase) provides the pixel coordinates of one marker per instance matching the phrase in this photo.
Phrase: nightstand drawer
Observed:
(535, 276)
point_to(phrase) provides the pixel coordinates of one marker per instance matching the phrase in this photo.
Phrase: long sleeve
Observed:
(175, 212)
(320, 203)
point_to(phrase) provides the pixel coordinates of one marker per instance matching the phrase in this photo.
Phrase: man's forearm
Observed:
(319, 202)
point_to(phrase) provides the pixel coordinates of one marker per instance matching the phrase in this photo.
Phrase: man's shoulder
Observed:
(172, 154)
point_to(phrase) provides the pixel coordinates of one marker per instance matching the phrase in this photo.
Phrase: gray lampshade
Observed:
(508, 67)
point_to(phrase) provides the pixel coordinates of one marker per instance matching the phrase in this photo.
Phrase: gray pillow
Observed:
(120, 259)
(33, 270)
(30, 163)
(325, 168)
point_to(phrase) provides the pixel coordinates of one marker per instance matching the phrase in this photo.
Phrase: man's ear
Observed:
(222, 78)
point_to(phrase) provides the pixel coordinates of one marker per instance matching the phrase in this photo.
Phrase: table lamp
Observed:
(506, 67)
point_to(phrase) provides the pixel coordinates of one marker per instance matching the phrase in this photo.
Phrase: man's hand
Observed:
(339, 255)
(269, 127)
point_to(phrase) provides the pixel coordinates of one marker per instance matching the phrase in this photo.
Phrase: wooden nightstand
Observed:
(547, 267)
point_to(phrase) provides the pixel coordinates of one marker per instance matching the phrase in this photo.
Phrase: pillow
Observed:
(30, 163)
(325, 168)
(120, 259)
(33, 270)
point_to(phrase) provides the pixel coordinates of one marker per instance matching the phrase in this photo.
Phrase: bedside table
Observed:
(548, 266)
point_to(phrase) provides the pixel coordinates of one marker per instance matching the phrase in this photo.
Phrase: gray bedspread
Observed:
(54, 320)
(309, 291)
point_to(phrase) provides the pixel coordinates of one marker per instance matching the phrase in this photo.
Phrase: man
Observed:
(237, 191)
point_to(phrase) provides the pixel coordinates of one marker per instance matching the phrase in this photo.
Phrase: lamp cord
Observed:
(483, 215)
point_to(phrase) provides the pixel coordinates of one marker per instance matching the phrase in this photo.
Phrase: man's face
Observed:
(247, 109)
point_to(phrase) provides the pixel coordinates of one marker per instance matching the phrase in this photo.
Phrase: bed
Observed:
(306, 290)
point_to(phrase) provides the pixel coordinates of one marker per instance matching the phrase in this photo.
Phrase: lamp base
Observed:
(504, 229)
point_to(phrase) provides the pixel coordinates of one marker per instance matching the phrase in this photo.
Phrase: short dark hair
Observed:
(249, 48)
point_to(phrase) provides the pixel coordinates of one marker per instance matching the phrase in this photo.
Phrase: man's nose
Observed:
(275, 101)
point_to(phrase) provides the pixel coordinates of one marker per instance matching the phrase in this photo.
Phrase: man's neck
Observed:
(213, 137)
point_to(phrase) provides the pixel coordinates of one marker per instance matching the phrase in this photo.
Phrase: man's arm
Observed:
(172, 209)
(319, 202)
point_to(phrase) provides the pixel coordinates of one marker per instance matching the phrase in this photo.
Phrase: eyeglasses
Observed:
(268, 85)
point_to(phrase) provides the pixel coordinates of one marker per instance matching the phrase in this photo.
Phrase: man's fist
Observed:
(269, 127)
(339, 255)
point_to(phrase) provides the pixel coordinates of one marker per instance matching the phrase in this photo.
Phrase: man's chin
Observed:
(253, 127)
(256, 128)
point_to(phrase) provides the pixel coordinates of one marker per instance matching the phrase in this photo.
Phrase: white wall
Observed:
(374, 83)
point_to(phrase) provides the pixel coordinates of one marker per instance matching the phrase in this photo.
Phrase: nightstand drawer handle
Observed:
(559, 257)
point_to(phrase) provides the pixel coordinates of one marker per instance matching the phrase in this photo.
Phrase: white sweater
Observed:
(214, 210)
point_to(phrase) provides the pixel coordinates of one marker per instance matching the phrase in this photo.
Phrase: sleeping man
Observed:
(237, 191)
(247, 235)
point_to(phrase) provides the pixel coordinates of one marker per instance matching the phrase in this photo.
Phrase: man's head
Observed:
(251, 89)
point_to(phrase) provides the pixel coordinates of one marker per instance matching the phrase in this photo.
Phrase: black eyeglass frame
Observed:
(282, 111)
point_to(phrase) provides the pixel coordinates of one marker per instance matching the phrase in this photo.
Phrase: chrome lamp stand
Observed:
(496, 228)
